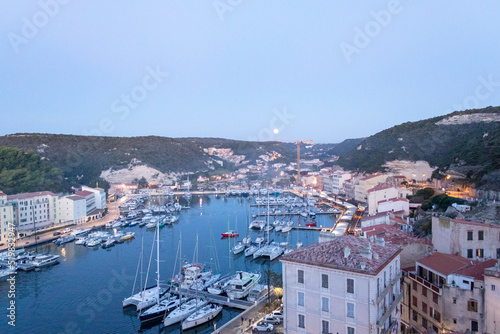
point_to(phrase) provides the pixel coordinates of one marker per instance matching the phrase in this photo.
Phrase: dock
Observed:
(222, 300)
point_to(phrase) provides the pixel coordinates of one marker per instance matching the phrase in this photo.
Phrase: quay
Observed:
(222, 300)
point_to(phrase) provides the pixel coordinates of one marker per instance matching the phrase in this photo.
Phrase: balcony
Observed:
(425, 283)
(389, 286)
(388, 311)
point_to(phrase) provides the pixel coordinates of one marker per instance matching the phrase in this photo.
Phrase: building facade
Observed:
(492, 299)
(348, 285)
(72, 209)
(100, 196)
(366, 183)
(6, 218)
(379, 193)
(33, 210)
(472, 240)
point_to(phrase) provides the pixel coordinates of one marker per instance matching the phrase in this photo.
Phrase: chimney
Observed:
(347, 252)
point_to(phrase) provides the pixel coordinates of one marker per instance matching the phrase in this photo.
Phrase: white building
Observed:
(6, 217)
(90, 200)
(363, 184)
(492, 299)
(379, 193)
(394, 205)
(338, 179)
(72, 209)
(31, 210)
(100, 196)
(348, 285)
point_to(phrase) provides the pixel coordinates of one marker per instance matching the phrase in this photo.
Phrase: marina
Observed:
(86, 289)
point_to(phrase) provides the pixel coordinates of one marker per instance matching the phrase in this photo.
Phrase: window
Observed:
(350, 330)
(470, 253)
(474, 326)
(498, 253)
(300, 276)
(414, 301)
(385, 279)
(350, 285)
(480, 235)
(435, 298)
(424, 322)
(302, 321)
(454, 321)
(325, 304)
(300, 298)
(454, 300)
(324, 281)
(493, 287)
(424, 292)
(350, 310)
(472, 305)
(415, 315)
(414, 285)
(325, 327)
(480, 252)
(424, 307)
(470, 235)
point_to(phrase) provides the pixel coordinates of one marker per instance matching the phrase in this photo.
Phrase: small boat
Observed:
(93, 242)
(230, 234)
(259, 240)
(151, 225)
(286, 229)
(128, 235)
(220, 286)
(268, 228)
(144, 299)
(79, 232)
(160, 310)
(250, 250)
(201, 316)
(311, 224)
(183, 311)
(241, 283)
(81, 241)
(238, 248)
(278, 228)
(257, 225)
(109, 243)
(247, 240)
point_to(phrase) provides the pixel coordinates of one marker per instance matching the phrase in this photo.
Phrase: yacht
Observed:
(238, 248)
(79, 232)
(45, 260)
(183, 311)
(247, 240)
(241, 284)
(257, 225)
(161, 309)
(144, 299)
(201, 316)
(128, 235)
(220, 286)
(109, 243)
(93, 242)
(251, 250)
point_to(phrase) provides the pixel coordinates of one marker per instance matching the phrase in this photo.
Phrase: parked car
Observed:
(277, 314)
(271, 320)
(262, 326)
(56, 233)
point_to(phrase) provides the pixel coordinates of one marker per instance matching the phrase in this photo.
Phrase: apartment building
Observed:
(492, 299)
(33, 210)
(72, 209)
(99, 195)
(347, 285)
(366, 183)
(6, 217)
(445, 293)
(472, 240)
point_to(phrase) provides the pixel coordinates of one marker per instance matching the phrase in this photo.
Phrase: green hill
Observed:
(466, 140)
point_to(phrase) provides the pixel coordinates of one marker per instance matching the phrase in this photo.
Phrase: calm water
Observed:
(83, 294)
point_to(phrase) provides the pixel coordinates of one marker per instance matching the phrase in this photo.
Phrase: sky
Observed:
(324, 70)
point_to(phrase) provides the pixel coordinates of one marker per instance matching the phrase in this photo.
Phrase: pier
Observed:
(222, 300)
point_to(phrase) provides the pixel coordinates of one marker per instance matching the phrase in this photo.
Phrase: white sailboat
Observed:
(202, 316)
(183, 311)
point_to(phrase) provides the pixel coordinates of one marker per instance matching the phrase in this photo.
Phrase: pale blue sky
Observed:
(234, 65)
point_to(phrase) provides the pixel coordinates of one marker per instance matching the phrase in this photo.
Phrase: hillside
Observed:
(84, 159)
(467, 141)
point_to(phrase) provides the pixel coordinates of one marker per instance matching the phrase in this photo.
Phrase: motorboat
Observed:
(230, 234)
(247, 240)
(93, 242)
(238, 248)
(201, 316)
(241, 283)
(160, 310)
(109, 243)
(45, 260)
(145, 298)
(251, 250)
(128, 235)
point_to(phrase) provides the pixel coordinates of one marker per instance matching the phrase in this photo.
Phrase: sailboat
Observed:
(230, 233)
(187, 194)
(247, 240)
(201, 316)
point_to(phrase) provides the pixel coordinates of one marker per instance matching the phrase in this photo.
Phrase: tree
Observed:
(142, 182)
(271, 277)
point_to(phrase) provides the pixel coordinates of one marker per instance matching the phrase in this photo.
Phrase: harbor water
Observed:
(84, 293)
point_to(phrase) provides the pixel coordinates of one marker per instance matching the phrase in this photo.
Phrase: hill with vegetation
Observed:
(82, 159)
(465, 141)
(27, 172)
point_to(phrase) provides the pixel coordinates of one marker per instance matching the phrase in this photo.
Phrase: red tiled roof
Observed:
(332, 255)
(2, 193)
(393, 235)
(447, 264)
(30, 195)
(398, 220)
(83, 193)
(381, 186)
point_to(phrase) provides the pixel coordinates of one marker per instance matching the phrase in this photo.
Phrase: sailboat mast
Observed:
(158, 262)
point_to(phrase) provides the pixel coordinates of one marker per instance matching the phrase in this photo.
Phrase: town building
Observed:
(33, 210)
(394, 205)
(99, 195)
(6, 218)
(347, 285)
(445, 293)
(338, 180)
(379, 193)
(72, 210)
(472, 240)
(366, 183)
(492, 299)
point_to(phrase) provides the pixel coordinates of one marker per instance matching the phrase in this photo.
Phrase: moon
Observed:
(276, 131)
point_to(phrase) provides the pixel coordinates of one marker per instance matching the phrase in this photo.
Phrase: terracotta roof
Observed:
(393, 235)
(83, 193)
(332, 255)
(447, 264)
(381, 186)
(75, 197)
(30, 195)
(398, 220)
(2, 193)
